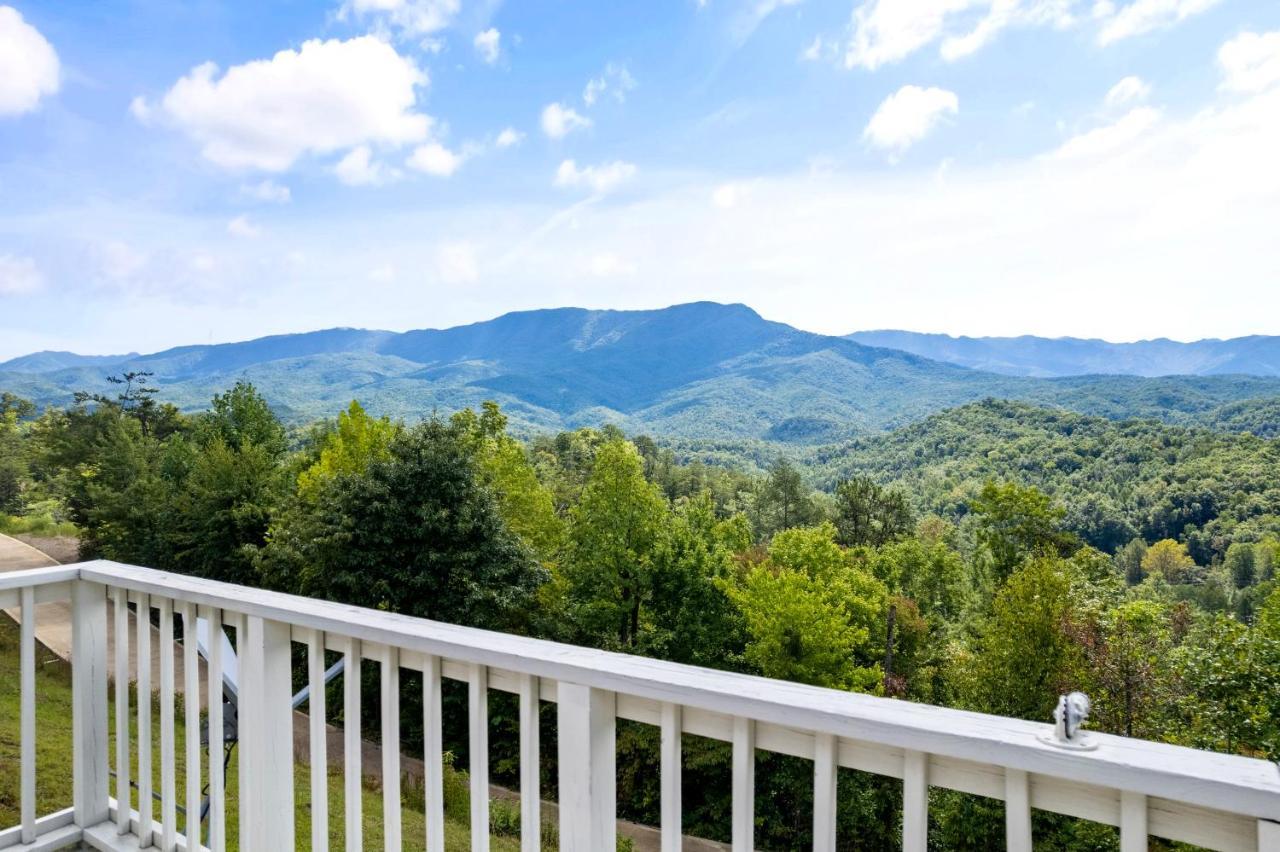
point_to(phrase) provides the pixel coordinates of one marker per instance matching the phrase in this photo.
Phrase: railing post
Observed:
(89, 701)
(266, 733)
(587, 748)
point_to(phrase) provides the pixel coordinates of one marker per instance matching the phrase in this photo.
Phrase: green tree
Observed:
(415, 533)
(613, 535)
(1169, 559)
(812, 616)
(785, 501)
(1130, 678)
(868, 514)
(1241, 564)
(1016, 522)
(1023, 657)
(1129, 561)
(527, 506)
(356, 442)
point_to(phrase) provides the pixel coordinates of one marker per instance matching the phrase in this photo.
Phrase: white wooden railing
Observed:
(1211, 800)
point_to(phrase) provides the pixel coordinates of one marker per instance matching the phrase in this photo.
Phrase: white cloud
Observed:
(29, 68)
(1127, 90)
(1250, 62)
(886, 31)
(414, 18)
(358, 168)
(1142, 16)
(456, 263)
(606, 264)
(615, 81)
(240, 226)
(1109, 138)
(19, 275)
(434, 159)
(489, 45)
(599, 179)
(908, 115)
(728, 195)
(383, 273)
(509, 137)
(268, 191)
(751, 15)
(327, 96)
(559, 120)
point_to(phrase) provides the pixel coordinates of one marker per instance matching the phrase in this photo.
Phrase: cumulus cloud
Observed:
(1127, 90)
(267, 191)
(434, 159)
(489, 45)
(358, 168)
(908, 115)
(508, 138)
(326, 96)
(29, 68)
(599, 179)
(240, 226)
(615, 81)
(1250, 62)
(1109, 138)
(1142, 16)
(411, 18)
(19, 275)
(886, 31)
(727, 195)
(559, 120)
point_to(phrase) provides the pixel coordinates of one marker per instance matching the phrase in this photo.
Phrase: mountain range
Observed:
(702, 370)
(1258, 355)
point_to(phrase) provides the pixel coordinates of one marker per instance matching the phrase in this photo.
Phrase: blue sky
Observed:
(184, 172)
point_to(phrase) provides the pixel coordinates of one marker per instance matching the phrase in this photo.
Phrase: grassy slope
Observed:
(53, 761)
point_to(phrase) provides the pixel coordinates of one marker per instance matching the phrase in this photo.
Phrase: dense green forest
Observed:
(1018, 553)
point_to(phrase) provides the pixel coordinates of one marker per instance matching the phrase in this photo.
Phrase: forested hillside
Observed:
(697, 371)
(1017, 552)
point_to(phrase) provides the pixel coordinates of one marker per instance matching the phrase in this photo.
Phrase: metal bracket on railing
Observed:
(1069, 717)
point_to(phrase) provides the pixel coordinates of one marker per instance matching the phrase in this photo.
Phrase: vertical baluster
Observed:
(433, 754)
(1017, 811)
(27, 761)
(478, 705)
(1133, 822)
(217, 782)
(391, 749)
(744, 784)
(120, 605)
(319, 744)
(670, 777)
(351, 767)
(90, 774)
(267, 717)
(824, 793)
(191, 704)
(586, 724)
(246, 791)
(168, 794)
(530, 801)
(142, 622)
(915, 801)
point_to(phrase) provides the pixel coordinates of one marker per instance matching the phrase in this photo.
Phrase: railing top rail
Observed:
(1227, 782)
(26, 577)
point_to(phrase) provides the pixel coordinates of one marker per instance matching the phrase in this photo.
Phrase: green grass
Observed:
(40, 524)
(54, 750)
